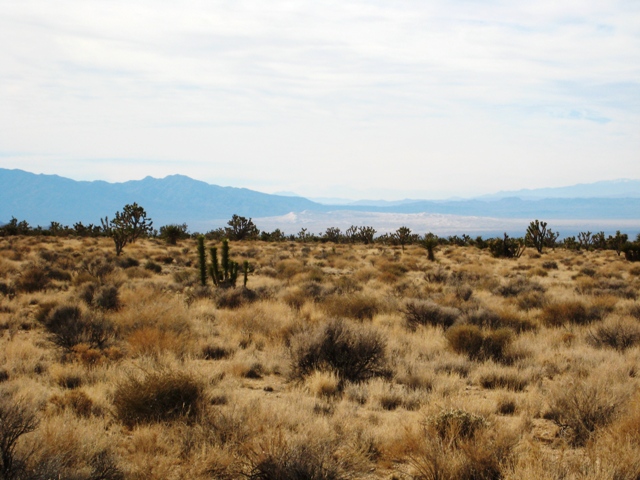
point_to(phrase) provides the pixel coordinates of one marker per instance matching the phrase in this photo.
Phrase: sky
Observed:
(355, 99)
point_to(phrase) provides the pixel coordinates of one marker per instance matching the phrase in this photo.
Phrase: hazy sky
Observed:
(375, 99)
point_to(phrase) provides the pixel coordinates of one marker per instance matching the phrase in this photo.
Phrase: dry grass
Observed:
(337, 361)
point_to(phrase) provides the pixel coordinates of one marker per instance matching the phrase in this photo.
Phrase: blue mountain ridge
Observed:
(40, 199)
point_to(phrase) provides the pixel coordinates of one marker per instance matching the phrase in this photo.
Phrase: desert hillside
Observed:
(334, 362)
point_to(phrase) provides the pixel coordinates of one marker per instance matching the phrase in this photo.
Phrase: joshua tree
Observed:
(507, 247)
(127, 226)
(430, 242)
(202, 261)
(402, 236)
(172, 233)
(538, 236)
(241, 228)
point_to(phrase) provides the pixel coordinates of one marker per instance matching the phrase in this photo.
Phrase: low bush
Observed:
(68, 326)
(354, 354)
(308, 461)
(581, 407)
(357, 306)
(490, 319)
(17, 418)
(620, 334)
(510, 380)
(424, 312)
(233, 298)
(33, 279)
(153, 266)
(453, 425)
(517, 286)
(571, 311)
(478, 345)
(157, 397)
(106, 297)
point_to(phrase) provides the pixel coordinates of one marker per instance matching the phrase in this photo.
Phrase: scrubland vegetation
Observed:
(336, 361)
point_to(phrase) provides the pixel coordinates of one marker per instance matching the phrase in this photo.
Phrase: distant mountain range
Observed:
(39, 199)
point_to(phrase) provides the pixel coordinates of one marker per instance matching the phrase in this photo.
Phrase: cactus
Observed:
(202, 261)
(223, 273)
(245, 270)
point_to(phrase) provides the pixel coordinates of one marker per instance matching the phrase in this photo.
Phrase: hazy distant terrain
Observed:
(40, 199)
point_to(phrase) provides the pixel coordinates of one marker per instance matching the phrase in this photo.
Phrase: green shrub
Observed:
(158, 397)
(354, 354)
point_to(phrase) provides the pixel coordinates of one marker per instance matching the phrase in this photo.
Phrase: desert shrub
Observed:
(464, 292)
(300, 460)
(437, 275)
(550, 265)
(355, 354)
(581, 407)
(17, 418)
(634, 311)
(571, 311)
(456, 445)
(478, 345)
(33, 279)
(510, 380)
(490, 319)
(517, 286)
(506, 406)
(7, 289)
(424, 312)
(127, 262)
(453, 425)
(153, 266)
(234, 297)
(158, 396)
(58, 274)
(215, 352)
(106, 297)
(356, 306)
(531, 300)
(69, 326)
(99, 267)
(619, 334)
(78, 402)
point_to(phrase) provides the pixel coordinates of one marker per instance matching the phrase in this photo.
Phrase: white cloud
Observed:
(400, 98)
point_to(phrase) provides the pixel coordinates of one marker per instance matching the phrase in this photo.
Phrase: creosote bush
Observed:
(157, 397)
(354, 353)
